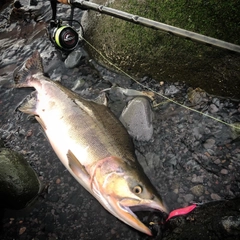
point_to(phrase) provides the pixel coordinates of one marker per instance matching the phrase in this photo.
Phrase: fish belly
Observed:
(61, 122)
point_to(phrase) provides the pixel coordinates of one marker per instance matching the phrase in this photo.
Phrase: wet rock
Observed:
(215, 197)
(210, 151)
(173, 196)
(216, 101)
(195, 96)
(197, 179)
(231, 224)
(137, 118)
(197, 190)
(217, 161)
(209, 143)
(213, 108)
(197, 133)
(74, 58)
(171, 90)
(19, 184)
(152, 159)
(224, 171)
(188, 198)
(22, 230)
(78, 85)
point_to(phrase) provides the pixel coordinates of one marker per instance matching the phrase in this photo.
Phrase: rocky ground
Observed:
(189, 158)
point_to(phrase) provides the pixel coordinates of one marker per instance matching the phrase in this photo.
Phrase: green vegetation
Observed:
(146, 51)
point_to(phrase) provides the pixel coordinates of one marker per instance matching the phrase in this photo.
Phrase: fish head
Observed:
(123, 189)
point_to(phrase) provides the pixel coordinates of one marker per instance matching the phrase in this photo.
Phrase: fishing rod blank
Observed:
(155, 25)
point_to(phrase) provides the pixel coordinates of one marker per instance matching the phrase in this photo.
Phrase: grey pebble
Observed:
(224, 171)
(188, 197)
(216, 102)
(211, 152)
(78, 84)
(173, 196)
(64, 77)
(197, 179)
(196, 133)
(171, 90)
(217, 161)
(230, 167)
(213, 108)
(209, 143)
(215, 197)
(180, 200)
(197, 190)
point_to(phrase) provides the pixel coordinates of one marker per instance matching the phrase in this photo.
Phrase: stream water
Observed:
(191, 158)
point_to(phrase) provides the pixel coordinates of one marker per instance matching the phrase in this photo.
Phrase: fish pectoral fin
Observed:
(29, 104)
(75, 165)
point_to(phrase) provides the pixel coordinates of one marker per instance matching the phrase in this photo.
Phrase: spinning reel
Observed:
(64, 36)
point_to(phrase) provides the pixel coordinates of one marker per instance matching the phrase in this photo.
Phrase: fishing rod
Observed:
(84, 5)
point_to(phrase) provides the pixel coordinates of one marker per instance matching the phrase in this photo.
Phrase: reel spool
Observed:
(63, 36)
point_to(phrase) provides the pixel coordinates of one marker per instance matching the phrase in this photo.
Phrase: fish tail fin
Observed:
(23, 73)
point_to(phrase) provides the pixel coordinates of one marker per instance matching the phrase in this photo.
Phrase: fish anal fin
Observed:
(41, 122)
(78, 169)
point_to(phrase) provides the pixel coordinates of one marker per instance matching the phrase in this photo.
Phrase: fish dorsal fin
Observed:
(31, 66)
(78, 169)
(34, 63)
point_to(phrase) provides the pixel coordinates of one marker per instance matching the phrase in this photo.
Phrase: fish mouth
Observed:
(145, 216)
(153, 218)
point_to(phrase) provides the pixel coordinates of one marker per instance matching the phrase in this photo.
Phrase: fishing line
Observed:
(157, 93)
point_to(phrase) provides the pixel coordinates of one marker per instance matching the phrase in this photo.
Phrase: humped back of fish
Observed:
(91, 143)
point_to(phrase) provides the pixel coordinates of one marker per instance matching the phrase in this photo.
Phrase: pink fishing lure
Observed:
(181, 211)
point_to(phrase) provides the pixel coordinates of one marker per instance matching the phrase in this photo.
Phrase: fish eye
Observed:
(137, 189)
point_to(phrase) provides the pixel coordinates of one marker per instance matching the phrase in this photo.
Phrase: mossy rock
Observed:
(19, 184)
(142, 51)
